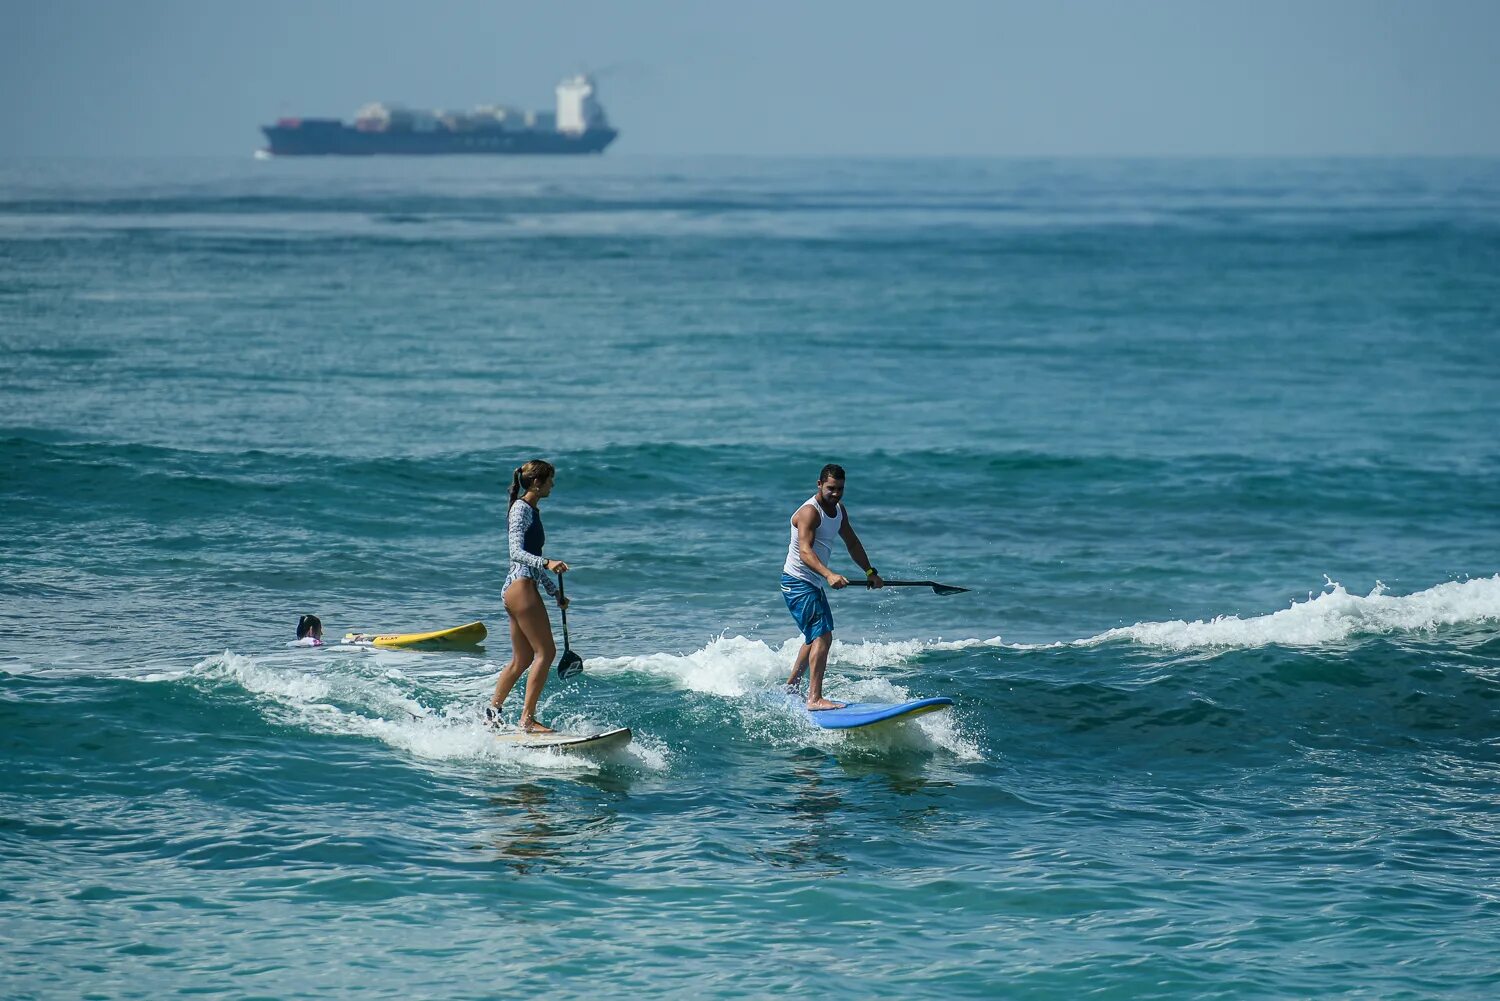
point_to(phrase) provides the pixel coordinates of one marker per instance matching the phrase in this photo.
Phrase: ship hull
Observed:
(331, 138)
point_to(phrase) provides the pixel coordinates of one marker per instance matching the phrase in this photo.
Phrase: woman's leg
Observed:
(524, 603)
(520, 655)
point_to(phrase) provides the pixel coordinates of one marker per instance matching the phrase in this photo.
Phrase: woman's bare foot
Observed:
(824, 704)
(532, 726)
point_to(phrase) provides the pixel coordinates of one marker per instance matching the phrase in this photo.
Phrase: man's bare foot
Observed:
(816, 705)
(532, 726)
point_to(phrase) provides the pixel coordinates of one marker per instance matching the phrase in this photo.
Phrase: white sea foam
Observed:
(1330, 617)
(736, 665)
(365, 698)
(283, 685)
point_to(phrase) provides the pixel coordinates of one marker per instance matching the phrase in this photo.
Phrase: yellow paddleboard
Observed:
(456, 638)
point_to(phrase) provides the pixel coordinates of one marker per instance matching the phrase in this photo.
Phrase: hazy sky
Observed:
(766, 76)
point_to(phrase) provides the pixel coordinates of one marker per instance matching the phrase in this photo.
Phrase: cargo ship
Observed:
(577, 126)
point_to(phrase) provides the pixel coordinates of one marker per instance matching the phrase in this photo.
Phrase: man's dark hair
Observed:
(832, 471)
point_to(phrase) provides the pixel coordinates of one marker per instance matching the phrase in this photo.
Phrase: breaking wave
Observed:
(1333, 616)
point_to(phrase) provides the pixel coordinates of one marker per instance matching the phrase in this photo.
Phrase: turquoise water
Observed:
(1213, 443)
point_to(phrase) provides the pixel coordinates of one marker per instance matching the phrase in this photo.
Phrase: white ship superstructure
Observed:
(577, 109)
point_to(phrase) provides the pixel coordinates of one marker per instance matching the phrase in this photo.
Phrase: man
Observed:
(814, 526)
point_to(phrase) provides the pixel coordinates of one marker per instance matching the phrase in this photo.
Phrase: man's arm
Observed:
(807, 525)
(857, 551)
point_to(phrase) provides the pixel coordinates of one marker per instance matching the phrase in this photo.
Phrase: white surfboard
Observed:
(566, 743)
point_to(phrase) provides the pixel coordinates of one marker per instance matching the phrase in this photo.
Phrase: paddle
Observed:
(936, 587)
(571, 663)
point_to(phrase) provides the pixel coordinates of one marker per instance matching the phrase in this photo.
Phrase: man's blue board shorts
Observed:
(808, 604)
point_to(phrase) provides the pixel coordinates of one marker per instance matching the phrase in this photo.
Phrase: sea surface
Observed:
(1213, 443)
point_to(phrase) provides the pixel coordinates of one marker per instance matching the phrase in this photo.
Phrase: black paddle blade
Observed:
(570, 664)
(947, 589)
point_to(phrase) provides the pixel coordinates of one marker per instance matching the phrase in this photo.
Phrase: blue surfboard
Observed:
(858, 714)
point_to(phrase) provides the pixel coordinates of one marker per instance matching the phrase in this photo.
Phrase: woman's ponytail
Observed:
(515, 488)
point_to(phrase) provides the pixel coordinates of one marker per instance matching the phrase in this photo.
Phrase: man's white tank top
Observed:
(823, 536)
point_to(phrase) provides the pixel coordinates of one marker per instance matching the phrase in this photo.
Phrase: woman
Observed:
(530, 629)
(309, 631)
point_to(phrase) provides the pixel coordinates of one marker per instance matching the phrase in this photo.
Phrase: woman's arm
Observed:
(519, 522)
(520, 519)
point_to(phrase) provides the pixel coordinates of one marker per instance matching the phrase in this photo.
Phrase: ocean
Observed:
(1212, 443)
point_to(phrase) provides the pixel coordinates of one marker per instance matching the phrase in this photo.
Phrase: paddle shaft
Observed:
(936, 587)
(562, 597)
